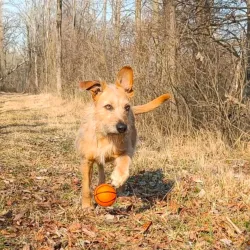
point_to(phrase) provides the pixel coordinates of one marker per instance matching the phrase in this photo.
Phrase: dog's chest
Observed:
(108, 150)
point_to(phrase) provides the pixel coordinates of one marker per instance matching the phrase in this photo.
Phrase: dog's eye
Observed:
(127, 107)
(108, 107)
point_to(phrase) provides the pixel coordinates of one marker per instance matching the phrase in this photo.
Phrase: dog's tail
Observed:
(151, 105)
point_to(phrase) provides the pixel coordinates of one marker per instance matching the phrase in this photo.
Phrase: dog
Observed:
(108, 133)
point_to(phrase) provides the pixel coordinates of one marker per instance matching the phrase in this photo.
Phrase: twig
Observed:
(235, 101)
(234, 226)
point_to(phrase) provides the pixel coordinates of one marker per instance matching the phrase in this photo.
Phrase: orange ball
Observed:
(105, 195)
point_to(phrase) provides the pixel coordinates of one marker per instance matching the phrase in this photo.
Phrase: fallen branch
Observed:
(12, 70)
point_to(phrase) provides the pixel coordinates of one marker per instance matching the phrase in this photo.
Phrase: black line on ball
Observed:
(105, 201)
(104, 192)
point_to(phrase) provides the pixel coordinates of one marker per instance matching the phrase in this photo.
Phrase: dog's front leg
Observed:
(121, 171)
(86, 169)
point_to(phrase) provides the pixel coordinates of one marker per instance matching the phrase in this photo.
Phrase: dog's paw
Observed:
(86, 206)
(117, 179)
(87, 203)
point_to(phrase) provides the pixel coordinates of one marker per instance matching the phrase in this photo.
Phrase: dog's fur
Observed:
(108, 130)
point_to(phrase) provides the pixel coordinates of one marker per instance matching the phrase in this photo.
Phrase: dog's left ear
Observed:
(125, 79)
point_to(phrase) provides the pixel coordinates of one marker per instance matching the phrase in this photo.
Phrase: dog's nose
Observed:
(121, 127)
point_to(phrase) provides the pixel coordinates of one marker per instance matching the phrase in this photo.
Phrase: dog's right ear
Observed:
(125, 79)
(95, 87)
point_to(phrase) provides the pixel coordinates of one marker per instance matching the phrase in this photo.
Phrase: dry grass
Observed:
(190, 192)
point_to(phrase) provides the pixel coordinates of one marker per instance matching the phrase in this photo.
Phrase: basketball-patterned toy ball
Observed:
(105, 195)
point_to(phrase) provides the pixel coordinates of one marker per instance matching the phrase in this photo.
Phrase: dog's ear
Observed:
(125, 79)
(95, 87)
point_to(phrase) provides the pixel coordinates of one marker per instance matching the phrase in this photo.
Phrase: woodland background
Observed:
(199, 50)
(189, 182)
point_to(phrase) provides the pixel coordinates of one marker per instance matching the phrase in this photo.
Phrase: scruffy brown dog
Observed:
(108, 130)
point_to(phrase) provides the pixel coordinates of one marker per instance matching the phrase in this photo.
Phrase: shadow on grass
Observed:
(23, 128)
(148, 186)
(15, 110)
(22, 125)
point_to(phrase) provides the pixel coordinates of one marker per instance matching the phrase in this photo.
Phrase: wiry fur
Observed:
(99, 139)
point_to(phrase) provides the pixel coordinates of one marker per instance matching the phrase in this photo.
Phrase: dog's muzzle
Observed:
(121, 127)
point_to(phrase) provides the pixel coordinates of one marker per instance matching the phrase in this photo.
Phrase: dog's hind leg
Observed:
(101, 174)
(86, 169)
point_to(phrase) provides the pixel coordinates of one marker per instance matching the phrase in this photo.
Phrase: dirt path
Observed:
(37, 165)
(40, 192)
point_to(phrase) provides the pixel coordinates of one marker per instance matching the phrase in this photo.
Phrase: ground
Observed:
(190, 192)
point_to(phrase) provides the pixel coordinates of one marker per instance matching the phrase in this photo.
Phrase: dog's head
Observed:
(113, 113)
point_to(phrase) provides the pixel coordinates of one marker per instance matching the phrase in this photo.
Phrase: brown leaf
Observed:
(75, 227)
(44, 204)
(192, 235)
(8, 234)
(26, 247)
(70, 240)
(146, 226)
(4, 232)
(88, 232)
(76, 181)
(9, 202)
(18, 216)
(173, 206)
(138, 216)
(40, 235)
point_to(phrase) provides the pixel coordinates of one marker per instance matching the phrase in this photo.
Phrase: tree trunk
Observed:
(74, 33)
(46, 32)
(138, 23)
(203, 25)
(34, 48)
(2, 55)
(117, 23)
(155, 33)
(203, 17)
(170, 41)
(59, 48)
(138, 36)
(28, 84)
(247, 87)
(104, 16)
(155, 9)
(74, 15)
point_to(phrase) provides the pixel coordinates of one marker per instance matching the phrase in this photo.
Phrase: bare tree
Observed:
(247, 88)
(104, 16)
(46, 33)
(34, 27)
(138, 22)
(117, 22)
(198, 49)
(170, 40)
(59, 47)
(2, 57)
(74, 6)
